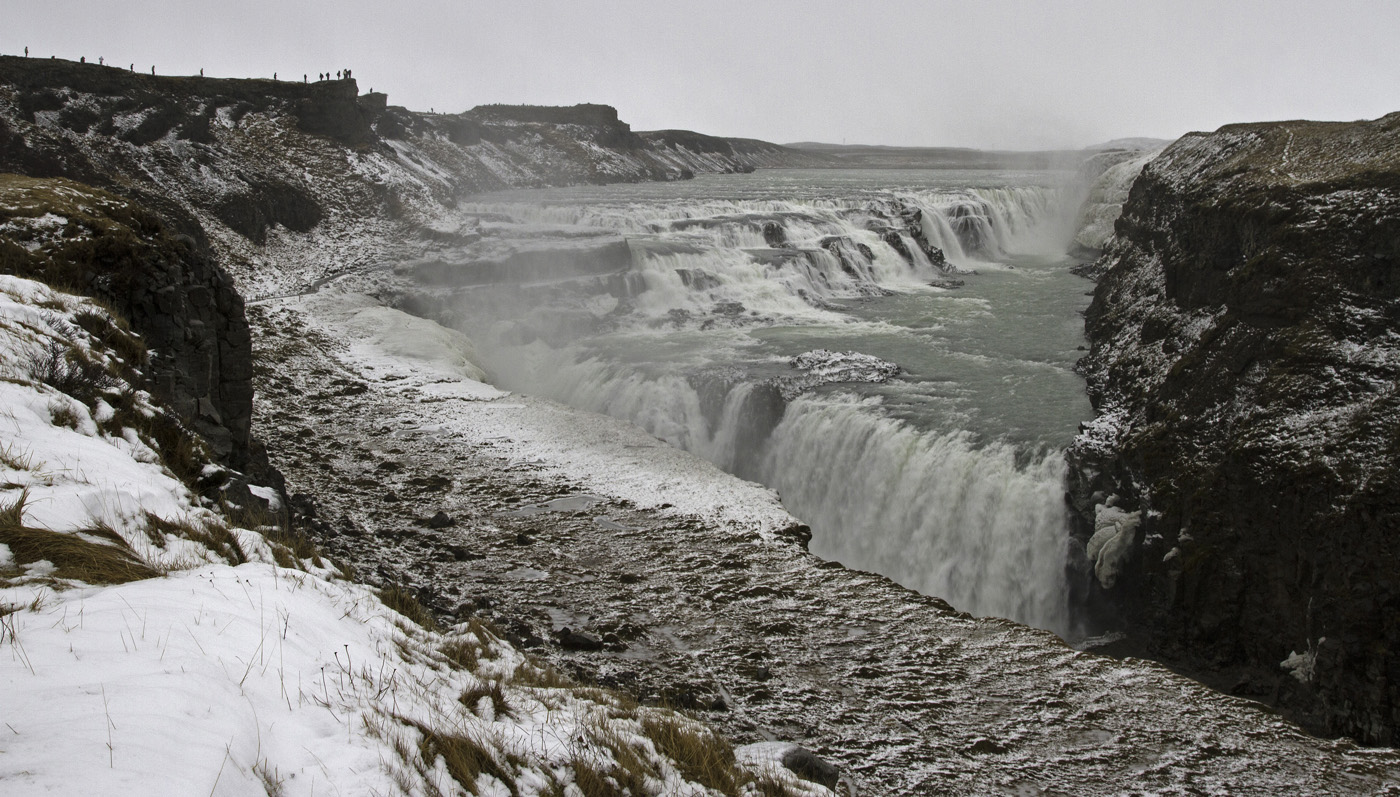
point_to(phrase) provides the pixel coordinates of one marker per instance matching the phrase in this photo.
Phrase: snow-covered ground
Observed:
(224, 673)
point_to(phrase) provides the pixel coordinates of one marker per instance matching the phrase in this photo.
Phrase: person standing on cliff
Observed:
(26, 52)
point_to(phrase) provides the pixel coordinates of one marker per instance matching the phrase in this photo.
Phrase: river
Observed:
(720, 314)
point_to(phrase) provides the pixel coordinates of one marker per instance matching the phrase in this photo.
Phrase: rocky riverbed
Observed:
(632, 565)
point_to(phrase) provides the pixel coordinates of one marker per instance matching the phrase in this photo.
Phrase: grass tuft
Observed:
(69, 371)
(290, 548)
(700, 756)
(465, 759)
(461, 653)
(11, 458)
(214, 536)
(629, 775)
(499, 706)
(12, 514)
(541, 675)
(63, 414)
(73, 556)
(113, 332)
(402, 600)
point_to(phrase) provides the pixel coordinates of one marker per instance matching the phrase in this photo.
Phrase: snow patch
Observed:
(1109, 548)
(388, 339)
(1302, 666)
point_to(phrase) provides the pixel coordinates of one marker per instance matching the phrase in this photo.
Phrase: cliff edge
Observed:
(1239, 489)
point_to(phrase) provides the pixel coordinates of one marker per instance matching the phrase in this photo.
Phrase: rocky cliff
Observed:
(1238, 487)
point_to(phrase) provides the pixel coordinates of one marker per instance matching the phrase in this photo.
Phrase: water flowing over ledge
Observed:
(681, 311)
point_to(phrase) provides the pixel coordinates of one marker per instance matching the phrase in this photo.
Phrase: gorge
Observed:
(311, 237)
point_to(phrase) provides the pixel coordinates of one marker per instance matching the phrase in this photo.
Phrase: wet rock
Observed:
(462, 554)
(986, 747)
(303, 505)
(799, 533)
(569, 639)
(810, 767)
(431, 483)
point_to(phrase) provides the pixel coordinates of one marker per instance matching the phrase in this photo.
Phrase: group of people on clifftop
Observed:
(341, 74)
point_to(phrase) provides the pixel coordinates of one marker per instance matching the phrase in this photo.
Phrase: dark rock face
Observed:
(250, 213)
(165, 284)
(1244, 467)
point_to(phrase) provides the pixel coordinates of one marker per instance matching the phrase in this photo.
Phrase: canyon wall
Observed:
(1239, 489)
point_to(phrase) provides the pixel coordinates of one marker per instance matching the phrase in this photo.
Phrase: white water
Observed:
(931, 511)
(947, 480)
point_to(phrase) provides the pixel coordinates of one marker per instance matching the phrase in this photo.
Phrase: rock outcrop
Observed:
(699, 153)
(164, 283)
(1240, 486)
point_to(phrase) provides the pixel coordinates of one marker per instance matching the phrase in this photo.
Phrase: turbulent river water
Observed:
(685, 308)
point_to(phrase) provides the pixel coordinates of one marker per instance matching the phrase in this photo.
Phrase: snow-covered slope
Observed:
(152, 641)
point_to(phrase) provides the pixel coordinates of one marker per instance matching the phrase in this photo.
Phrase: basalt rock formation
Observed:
(1240, 486)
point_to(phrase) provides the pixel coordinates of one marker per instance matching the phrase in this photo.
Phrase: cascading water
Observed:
(946, 478)
(932, 511)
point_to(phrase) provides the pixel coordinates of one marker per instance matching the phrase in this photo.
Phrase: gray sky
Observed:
(978, 73)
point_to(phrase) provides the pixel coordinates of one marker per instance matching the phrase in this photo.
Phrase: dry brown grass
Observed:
(14, 459)
(69, 371)
(214, 536)
(403, 601)
(628, 775)
(113, 332)
(62, 413)
(465, 758)
(461, 653)
(472, 698)
(541, 675)
(290, 547)
(700, 755)
(72, 556)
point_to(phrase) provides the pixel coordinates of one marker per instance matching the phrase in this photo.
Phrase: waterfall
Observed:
(978, 525)
(667, 343)
(931, 511)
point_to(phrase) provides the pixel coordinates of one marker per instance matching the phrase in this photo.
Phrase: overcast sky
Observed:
(978, 73)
